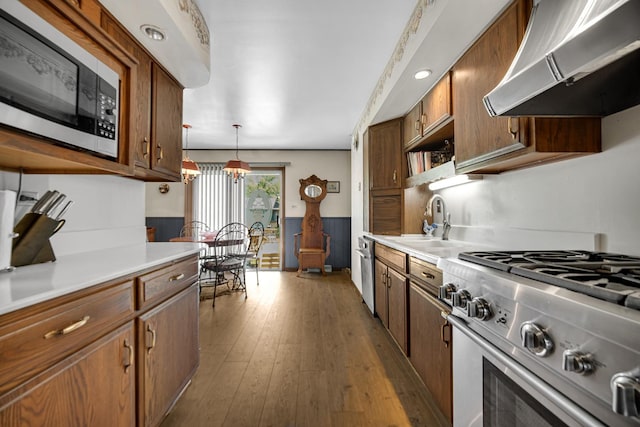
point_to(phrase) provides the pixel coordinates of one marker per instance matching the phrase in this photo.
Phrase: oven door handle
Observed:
(536, 383)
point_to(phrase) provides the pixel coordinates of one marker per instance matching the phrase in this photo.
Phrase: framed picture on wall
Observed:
(333, 186)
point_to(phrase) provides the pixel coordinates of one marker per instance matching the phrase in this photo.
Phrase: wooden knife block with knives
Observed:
(32, 245)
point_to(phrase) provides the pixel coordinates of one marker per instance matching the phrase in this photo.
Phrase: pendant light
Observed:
(190, 169)
(237, 167)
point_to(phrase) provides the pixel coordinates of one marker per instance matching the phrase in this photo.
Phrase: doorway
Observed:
(263, 202)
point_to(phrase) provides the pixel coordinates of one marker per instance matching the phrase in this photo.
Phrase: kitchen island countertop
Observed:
(29, 285)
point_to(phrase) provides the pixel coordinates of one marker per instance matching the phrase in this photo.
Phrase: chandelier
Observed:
(190, 169)
(237, 167)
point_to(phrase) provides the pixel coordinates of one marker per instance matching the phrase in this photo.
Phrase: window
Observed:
(217, 199)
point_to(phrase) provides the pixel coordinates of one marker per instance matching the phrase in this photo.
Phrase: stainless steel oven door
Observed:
(490, 389)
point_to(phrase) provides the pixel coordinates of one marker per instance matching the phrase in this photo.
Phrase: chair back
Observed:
(256, 237)
(194, 229)
(231, 240)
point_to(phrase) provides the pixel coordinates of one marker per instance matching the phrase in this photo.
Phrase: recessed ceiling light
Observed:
(422, 74)
(153, 32)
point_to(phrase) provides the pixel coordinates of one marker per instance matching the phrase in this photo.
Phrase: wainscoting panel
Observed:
(340, 231)
(166, 227)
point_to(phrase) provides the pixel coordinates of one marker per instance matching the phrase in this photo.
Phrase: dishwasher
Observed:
(365, 250)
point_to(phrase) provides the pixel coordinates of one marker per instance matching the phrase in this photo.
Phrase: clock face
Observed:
(313, 190)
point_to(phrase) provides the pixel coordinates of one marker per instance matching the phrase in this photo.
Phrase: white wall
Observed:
(108, 211)
(326, 164)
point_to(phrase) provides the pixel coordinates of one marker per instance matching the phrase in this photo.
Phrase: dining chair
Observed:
(256, 239)
(226, 264)
(194, 229)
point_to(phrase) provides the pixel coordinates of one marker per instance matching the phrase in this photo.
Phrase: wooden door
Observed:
(397, 296)
(166, 119)
(385, 155)
(169, 356)
(93, 387)
(430, 338)
(380, 283)
(386, 214)
(479, 136)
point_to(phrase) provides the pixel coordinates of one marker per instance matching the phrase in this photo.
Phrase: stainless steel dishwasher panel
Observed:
(365, 250)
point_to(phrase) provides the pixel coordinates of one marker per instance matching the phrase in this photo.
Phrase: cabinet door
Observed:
(412, 125)
(436, 105)
(141, 103)
(479, 136)
(167, 123)
(397, 296)
(385, 155)
(94, 387)
(380, 282)
(169, 356)
(385, 214)
(430, 338)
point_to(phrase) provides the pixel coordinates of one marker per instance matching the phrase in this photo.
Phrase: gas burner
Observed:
(611, 277)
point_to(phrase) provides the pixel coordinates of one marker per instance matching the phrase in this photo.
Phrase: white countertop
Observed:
(32, 284)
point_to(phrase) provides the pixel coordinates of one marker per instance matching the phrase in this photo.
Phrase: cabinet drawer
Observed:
(164, 282)
(392, 257)
(427, 274)
(36, 342)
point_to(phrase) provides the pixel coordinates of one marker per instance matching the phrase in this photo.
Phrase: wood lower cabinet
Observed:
(170, 354)
(115, 354)
(495, 144)
(431, 347)
(390, 284)
(93, 387)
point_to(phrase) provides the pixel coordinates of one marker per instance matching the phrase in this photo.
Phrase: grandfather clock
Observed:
(312, 245)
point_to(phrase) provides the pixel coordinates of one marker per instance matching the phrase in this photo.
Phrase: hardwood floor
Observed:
(300, 351)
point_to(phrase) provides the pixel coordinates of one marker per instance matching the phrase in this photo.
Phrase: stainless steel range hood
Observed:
(577, 58)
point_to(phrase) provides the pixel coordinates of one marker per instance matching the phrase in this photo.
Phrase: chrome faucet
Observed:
(446, 216)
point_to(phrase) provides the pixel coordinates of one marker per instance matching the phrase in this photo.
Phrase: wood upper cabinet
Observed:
(385, 155)
(391, 292)
(431, 347)
(166, 117)
(94, 387)
(433, 111)
(169, 356)
(495, 144)
(156, 147)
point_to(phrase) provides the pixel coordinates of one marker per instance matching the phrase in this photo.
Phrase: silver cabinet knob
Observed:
(625, 388)
(478, 308)
(445, 291)
(535, 339)
(460, 298)
(574, 361)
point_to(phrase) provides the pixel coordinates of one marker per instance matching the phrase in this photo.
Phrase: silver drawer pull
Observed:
(178, 277)
(72, 327)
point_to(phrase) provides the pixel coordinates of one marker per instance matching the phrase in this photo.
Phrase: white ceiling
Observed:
(300, 74)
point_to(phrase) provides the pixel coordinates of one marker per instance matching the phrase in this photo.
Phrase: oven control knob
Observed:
(445, 291)
(625, 388)
(574, 361)
(478, 308)
(460, 298)
(535, 339)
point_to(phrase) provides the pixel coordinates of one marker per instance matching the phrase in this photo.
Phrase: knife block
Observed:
(32, 245)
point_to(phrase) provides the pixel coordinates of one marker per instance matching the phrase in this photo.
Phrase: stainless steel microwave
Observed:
(52, 87)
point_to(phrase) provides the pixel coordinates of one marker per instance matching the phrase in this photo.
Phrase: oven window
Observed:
(506, 404)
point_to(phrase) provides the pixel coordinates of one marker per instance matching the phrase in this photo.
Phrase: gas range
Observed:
(570, 318)
(611, 277)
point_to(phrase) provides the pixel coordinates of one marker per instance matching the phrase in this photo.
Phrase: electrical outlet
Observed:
(28, 197)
